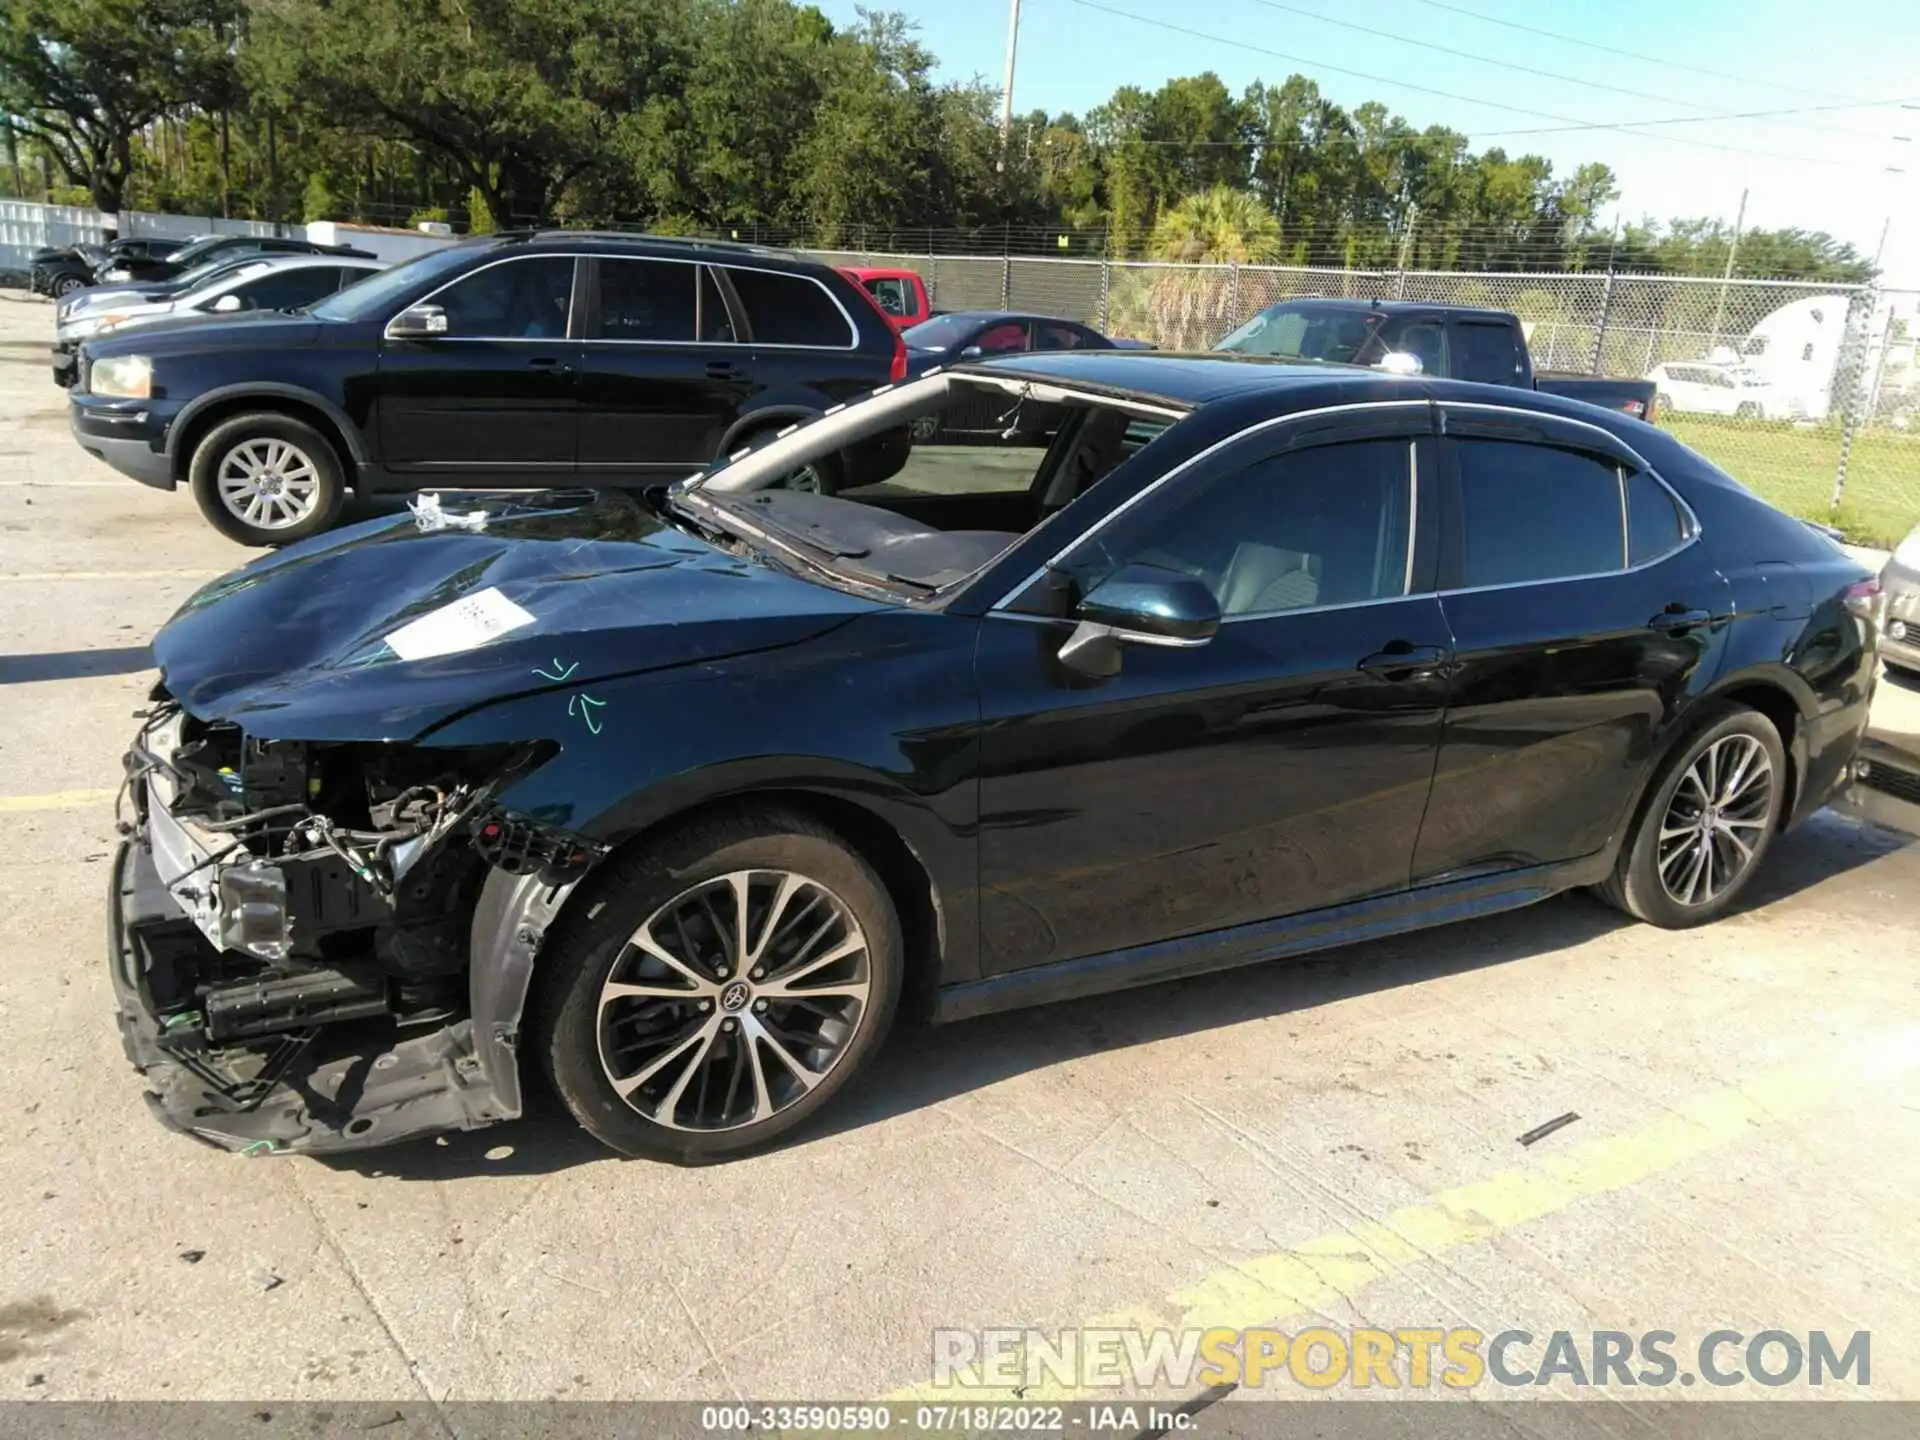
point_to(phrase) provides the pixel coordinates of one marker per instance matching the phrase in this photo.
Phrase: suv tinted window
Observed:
(516, 299)
(1326, 526)
(1654, 522)
(1533, 512)
(1485, 353)
(790, 309)
(287, 289)
(646, 300)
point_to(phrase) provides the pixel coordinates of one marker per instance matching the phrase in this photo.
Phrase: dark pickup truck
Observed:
(1458, 342)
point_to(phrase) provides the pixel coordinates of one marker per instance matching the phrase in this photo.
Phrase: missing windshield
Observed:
(986, 461)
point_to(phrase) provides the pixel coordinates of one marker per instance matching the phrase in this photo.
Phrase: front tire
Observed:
(67, 285)
(267, 479)
(722, 984)
(1708, 821)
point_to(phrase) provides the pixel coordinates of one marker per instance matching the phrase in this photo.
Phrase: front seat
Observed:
(1261, 578)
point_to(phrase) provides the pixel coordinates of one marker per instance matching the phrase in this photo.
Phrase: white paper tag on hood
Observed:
(467, 623)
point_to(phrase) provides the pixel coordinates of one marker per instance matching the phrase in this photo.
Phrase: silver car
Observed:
(1900, 594)
(279, 282)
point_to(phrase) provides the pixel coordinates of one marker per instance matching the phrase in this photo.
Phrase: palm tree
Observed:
(1221, 226)
(1189, 309)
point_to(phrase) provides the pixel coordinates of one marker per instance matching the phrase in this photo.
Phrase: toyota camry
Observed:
(679, 799)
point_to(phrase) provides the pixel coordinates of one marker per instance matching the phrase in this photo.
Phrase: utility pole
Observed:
(1006, 90)
(1720, 310)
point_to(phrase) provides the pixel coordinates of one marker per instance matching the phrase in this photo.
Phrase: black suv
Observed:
(522, 360)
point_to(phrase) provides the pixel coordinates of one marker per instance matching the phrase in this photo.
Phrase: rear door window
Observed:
(1531, 512)
(646, 300)
(790, 309)
(1485, 352)
(1052, 335)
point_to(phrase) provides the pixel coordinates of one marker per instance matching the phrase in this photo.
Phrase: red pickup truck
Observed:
(900, 294)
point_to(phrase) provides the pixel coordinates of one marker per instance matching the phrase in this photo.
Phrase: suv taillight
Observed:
(897, 370)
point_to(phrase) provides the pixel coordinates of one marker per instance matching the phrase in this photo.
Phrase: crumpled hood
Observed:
(295, 645)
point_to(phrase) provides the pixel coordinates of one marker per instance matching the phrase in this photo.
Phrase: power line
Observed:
(1342, 138)
(1526, 69)
(1570, 121)
(1635, 54)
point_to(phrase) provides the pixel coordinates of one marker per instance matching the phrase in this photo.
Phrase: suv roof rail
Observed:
(692, 242)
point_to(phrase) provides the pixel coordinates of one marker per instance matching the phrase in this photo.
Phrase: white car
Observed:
(1709, 389)
(279, 283)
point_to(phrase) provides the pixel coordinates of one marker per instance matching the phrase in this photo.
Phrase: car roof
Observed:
(1390, 307)
(988, 316)
(623, 242)
(1195, 380)
(1189, 380)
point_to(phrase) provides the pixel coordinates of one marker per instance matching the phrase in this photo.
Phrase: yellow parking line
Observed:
(119, 575)
(56, 800)
(1326, 1273)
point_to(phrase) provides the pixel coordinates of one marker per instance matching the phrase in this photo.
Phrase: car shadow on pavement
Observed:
(74, 664)
(924, 1065)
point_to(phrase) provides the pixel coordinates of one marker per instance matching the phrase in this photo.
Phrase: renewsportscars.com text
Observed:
(1320, 1357)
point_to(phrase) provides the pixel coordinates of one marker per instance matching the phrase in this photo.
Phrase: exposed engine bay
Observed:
(297, 929)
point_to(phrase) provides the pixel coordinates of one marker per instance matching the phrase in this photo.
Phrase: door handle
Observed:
(722, 370)
(1675, 620)
(1401, 662)
(551, 363)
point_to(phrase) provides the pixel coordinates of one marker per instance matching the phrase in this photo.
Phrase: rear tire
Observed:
(265, 478)
(671, 1039)
(66, 285)
(1705, 826)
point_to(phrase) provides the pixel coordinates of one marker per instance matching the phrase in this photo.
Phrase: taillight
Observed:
(1862, 599)
(897, 370)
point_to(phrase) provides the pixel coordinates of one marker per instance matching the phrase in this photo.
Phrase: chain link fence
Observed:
(1808, 393)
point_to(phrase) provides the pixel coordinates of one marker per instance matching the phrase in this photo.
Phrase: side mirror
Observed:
(1400, 362)
(972, 352)
(226, 305)
(417, 322)
(1139, 605)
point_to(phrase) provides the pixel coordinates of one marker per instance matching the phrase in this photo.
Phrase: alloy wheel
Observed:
(805, 478)
(733, 1000)
(269, 483)
(1715, 820)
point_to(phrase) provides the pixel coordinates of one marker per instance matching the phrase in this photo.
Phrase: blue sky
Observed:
(1822, 171)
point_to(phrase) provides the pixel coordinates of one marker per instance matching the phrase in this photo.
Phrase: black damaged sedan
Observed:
(681, 799)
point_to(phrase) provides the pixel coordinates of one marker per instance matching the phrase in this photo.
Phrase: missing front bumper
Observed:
(318, 1091)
